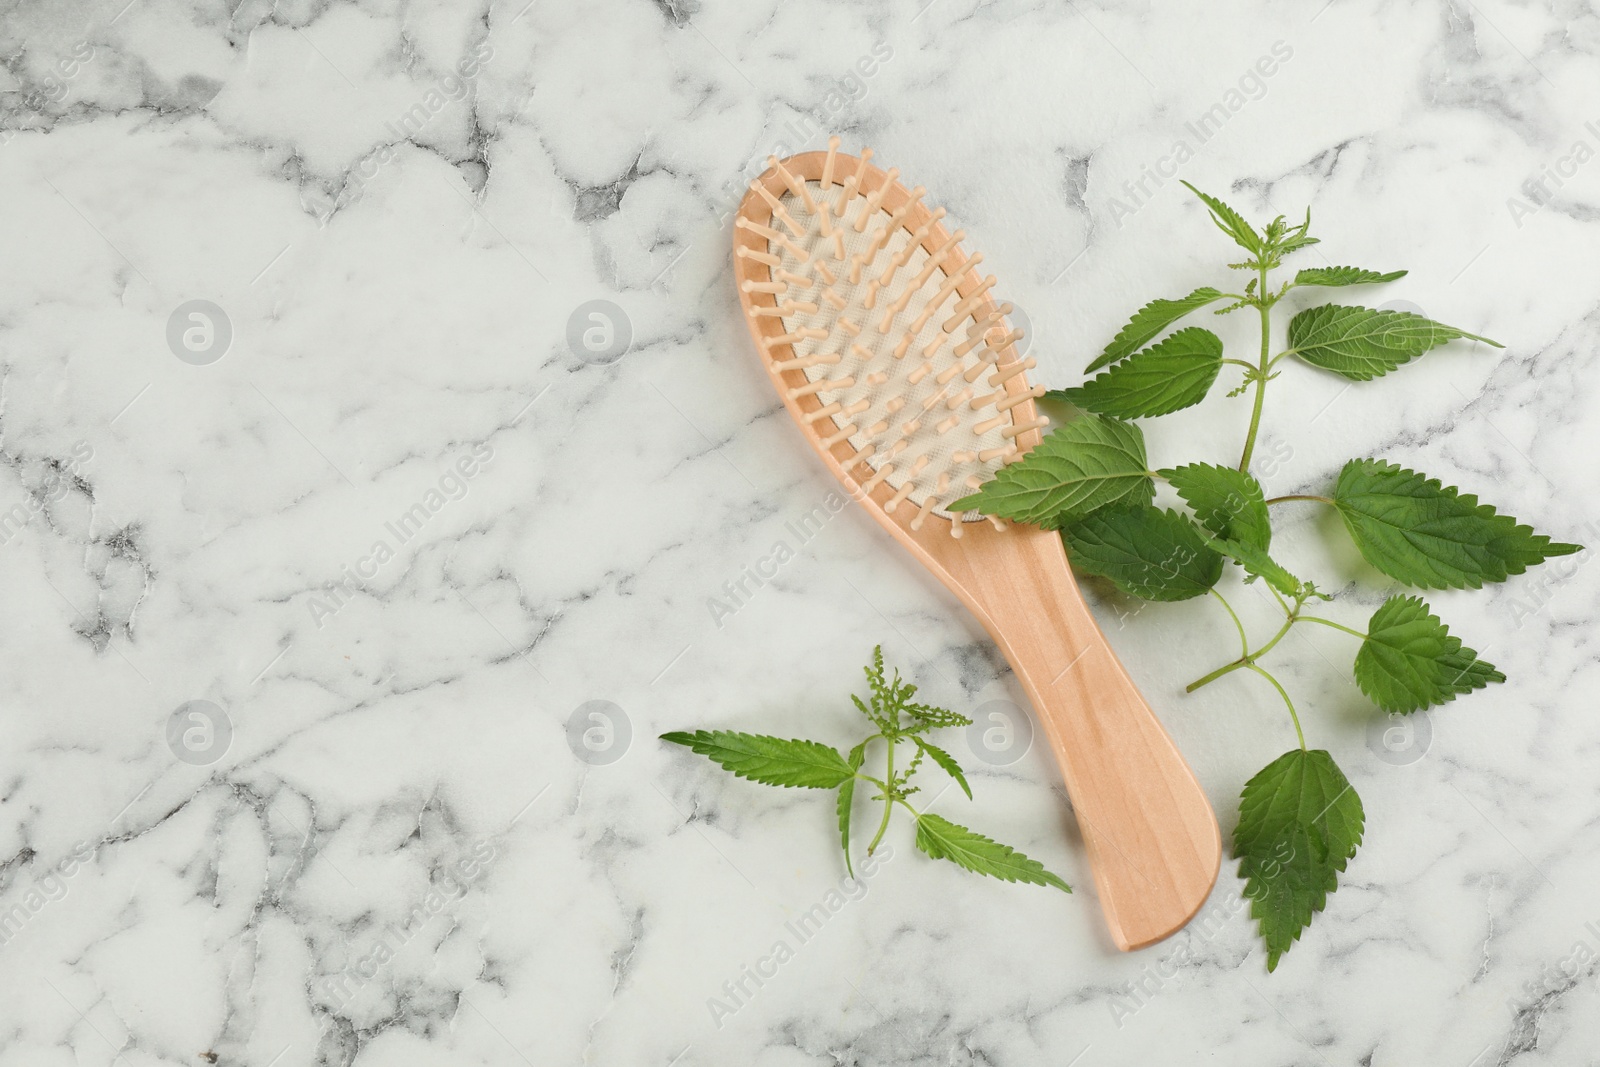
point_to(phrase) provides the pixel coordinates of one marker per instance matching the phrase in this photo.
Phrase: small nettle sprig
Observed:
(1300, 821)
(896, 720)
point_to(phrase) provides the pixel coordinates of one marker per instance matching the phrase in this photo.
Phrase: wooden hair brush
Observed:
(890, 353)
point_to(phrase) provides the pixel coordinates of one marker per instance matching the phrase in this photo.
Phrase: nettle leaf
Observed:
(1257, 564)
(1227, 502)
(944, 840)
(1084, 465)
(1300, 823)
(1149, 321)
(946, 762)
(847, 797)
(1338, 276)
(770, 760)
(1363, 343)
(1409, 661)
(1230, 221)
(1166, 377)
(1145, 552)
(1426, 534)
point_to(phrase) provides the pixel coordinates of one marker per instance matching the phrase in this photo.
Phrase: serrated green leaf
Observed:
(947, 763)
(1426, 534)
(769, 760)
(1086, 464)
(944, 840)
(1227, 502)
(1145, 552)
(1258, 564)
(1295, 244)
(847, 797)
(1230, 221)
(1300, 823)
(1409, 661)
(1166, 377)
(1149, 321)
(1339, 276)
(1363, 343)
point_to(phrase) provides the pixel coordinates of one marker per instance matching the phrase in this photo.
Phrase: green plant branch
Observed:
(795, 762)
(1288, 621)
(1226, 668)
(1299, 733)
(1335, 625)
(888, 797)
(1248, 658)
(1408, 660)
(1244, 640)
(904, 803)
(1264, 303)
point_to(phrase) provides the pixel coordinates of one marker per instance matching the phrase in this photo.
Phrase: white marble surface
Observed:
(398, 293)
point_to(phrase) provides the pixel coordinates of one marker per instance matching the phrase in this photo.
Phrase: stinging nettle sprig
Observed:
(896, 719)
(1300, 821)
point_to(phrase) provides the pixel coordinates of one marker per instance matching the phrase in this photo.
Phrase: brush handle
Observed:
(1151, 836)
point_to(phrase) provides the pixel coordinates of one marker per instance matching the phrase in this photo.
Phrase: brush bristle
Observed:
(911, 373)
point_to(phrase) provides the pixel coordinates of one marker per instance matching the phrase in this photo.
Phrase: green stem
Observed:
(1265, 307)
(1248, 659)
(1244, 641)
(1300, 496)
(888, 801)
(906, 804)
(1335, 625)
(1264, 649)
(1226, 668)
(1301, 734)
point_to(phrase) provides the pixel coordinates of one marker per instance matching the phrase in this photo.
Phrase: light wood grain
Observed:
(1151, 837)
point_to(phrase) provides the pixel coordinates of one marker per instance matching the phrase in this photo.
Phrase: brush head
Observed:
(880, 335)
